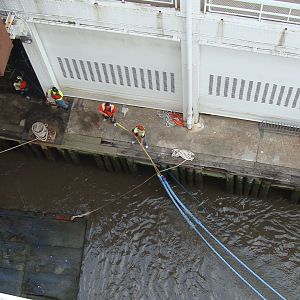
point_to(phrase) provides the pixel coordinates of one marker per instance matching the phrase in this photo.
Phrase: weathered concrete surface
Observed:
(237, 146)
(234, 145)
(40, 256)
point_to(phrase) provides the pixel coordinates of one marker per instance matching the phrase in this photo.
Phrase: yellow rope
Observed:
(154, 165)
(123, 195)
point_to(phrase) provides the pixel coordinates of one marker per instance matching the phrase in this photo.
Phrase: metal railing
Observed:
(164, 3)
(257, 9)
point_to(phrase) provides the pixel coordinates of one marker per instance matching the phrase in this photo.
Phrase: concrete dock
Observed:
(237, 150)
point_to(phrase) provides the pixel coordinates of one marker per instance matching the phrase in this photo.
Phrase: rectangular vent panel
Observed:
(117, 74)
(252, 91)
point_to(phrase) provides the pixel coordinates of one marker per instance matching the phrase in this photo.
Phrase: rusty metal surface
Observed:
(5, 48)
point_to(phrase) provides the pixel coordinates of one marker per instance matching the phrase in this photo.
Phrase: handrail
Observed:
(266, 9)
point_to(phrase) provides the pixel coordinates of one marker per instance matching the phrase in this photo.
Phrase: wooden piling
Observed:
(295, 196)
(36, 149)
(264, 189)
(255, 188)
(123, 162)
(48, 153)
(190, 176)
(132, 166)
(116, 164)
(108, 164)
(239, 180)
(175, 172)
(26, 148)
(182, 175)
(229, 183)
(248, 185)
(199, 178)
(4, 144)
(64, 154)
(99, 161)
(74, 157)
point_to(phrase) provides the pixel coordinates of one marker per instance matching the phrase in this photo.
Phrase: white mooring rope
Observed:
(185, 154)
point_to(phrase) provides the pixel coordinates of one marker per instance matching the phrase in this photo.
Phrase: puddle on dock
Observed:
(139, 247)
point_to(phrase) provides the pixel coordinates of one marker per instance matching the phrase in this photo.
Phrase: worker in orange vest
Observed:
(20, 85)
(108, 111)
(140, 133)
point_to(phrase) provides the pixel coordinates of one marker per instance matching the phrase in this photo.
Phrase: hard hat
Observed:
(140, 127)
(19, 78)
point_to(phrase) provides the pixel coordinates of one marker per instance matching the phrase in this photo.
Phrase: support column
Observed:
(39, 59)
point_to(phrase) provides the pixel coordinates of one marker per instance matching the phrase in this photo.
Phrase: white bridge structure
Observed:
(233, 58)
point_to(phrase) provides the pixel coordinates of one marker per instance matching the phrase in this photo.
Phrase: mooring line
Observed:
(6, 150)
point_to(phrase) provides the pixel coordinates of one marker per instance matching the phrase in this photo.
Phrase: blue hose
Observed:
(178, 203)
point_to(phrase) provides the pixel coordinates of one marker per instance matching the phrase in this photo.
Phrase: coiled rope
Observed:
(171, 119)
(40, 132)
(185, 154)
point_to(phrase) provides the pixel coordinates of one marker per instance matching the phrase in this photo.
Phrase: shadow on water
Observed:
(139, 247)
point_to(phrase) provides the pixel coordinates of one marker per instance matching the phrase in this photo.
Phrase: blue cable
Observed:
(168, 190)
(217, 241)
(221, 244)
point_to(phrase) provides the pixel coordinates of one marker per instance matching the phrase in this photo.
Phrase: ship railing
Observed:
(258, 9)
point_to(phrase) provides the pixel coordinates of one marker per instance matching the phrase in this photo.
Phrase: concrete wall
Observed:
(133, 69)
(249, 85)
(241, 67)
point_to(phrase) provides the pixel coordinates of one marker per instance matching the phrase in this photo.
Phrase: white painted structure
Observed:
(242, 58)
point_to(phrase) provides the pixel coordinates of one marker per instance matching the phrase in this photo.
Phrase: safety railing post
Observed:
(260, 12)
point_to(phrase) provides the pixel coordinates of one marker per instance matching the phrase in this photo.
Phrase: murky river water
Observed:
(140, 247)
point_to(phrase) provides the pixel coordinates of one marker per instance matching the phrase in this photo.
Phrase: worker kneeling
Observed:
(56, 97)
(140, 133)
(108, 111)
(21, 87)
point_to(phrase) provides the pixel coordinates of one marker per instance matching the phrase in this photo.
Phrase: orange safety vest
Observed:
(108, 112)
